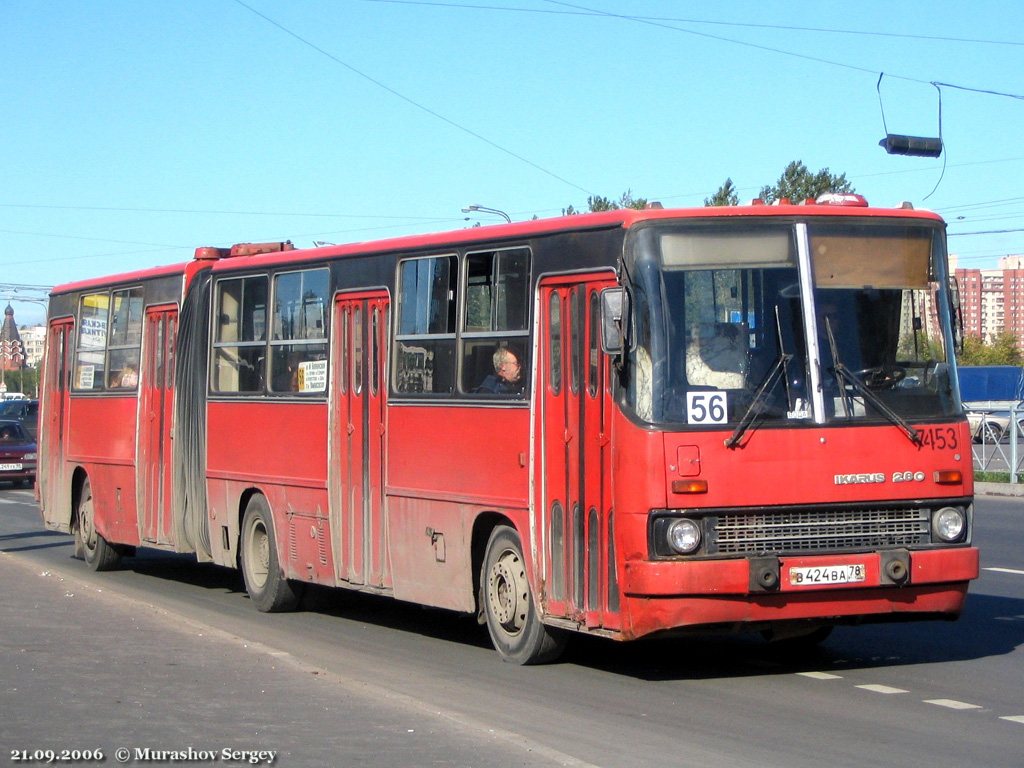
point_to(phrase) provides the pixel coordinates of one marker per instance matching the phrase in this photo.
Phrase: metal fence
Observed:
(998, 440)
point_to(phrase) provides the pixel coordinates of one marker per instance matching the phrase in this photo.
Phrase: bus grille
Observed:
(793, 531)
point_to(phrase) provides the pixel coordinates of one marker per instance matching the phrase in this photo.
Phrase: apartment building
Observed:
(33, 341)
(992, 300)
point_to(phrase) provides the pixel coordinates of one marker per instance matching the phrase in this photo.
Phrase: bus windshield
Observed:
(789, 322)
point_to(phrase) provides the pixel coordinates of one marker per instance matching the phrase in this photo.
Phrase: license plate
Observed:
(812, 576)
(10, 467)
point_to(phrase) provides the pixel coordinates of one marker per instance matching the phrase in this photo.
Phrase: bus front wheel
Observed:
(265, 582)
(516, 630)
(90, 546)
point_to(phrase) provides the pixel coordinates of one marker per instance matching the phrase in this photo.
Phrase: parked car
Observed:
(23, 409)
(987, 427)
(17, 453)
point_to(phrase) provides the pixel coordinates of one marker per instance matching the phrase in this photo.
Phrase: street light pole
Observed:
(485, 209)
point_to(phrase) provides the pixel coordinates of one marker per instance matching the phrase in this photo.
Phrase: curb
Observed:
(999, 489)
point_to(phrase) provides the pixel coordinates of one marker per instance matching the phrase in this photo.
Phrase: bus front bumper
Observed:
(664, 595)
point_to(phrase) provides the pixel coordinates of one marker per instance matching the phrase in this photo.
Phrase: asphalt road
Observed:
(166, 654)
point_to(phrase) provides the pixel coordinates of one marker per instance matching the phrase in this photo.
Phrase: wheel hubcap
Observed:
(259, 551)
(85, 523)
(508, 592)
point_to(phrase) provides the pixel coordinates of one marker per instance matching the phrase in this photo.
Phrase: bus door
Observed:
(356, 466)
(54, 486)
(156, 401)
(575, 417)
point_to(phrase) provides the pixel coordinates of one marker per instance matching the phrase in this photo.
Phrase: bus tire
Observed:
(265, 582)
(90, 546)
(513, 623)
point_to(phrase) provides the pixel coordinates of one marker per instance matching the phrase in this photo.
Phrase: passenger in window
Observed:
(287, 377)
(507, 378)
(128, 378)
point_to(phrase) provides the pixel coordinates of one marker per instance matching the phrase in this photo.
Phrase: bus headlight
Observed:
(948, 524)
(683, 536)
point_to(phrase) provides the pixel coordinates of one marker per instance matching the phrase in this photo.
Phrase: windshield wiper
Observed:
(769, 382)
(849, 377)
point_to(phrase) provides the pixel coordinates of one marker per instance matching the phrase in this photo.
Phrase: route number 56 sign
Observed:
(706, 408)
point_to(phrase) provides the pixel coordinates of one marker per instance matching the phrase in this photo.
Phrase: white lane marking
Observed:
(952, 704)
(888, 690)
(1014, 571)
(882, 689)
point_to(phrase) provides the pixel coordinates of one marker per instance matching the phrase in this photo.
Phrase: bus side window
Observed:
(298, 345)
(494, 325)
(240, 340)
(90, 352)
(425, 327)
(125, 339)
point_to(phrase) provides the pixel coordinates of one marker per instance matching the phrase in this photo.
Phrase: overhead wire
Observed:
(82, 257)
(161, 246)
(638, 19)
(413, 102)
(750, 25)
(306, 214)
(985, 232)
(575, 9)
(772, 49)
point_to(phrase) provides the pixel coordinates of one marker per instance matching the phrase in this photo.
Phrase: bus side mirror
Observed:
(613, 311)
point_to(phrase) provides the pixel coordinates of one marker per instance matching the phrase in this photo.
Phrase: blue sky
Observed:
(136, 130)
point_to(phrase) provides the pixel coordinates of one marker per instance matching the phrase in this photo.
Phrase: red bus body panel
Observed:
(437, 488)
(399, 497)
(796, 466)
(109, 454)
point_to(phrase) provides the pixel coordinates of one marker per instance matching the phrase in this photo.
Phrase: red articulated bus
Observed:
(625, 423)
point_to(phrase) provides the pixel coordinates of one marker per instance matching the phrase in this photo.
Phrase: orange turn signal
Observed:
(689, 486)
(949, 477)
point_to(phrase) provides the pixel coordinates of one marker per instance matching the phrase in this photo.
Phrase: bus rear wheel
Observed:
(513, 623)
(268, 589)
(90, 546)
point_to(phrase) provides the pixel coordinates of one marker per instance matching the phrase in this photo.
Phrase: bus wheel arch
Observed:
(508, 604)
(90, 545)
(259, 558)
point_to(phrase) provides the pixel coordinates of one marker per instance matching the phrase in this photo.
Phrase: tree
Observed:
(22, 380)
(726, 195)
(1002, 350)
(797, 184)
(597, 203)
(915, 345)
